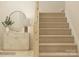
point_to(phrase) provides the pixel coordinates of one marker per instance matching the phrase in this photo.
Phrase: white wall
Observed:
(72, 14)
(27, 7)
(51, 6)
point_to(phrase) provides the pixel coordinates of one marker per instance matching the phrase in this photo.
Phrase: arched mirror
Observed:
(17, 38)
(20, 21)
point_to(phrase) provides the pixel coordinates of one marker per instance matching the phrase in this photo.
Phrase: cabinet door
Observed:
(16, 41)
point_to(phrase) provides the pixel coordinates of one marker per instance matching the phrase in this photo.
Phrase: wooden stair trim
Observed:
(51, 44)
(55, 28)
(55, 22)
(51, 13)
(59, 54)
(56, 36)
(52, 18)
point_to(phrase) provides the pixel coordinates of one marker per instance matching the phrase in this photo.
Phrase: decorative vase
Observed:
(7, 29)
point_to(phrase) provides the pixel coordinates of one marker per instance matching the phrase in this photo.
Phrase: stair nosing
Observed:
(53, 17)
(50, 13)
(56, 28)
(56, 35)
(54, 22)
(58, 54)
(51, 44)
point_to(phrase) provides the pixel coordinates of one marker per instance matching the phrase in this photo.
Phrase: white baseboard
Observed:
(52, 11)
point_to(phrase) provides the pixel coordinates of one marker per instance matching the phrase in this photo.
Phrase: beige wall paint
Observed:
(72, 13)
(27, 7)
(51, 6)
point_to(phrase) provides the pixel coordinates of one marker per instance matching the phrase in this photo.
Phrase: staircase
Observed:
(55, 36)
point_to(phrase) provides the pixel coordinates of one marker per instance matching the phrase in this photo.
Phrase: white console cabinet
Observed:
(16, 41)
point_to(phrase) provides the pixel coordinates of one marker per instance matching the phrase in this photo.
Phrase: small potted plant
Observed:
(7, 23)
